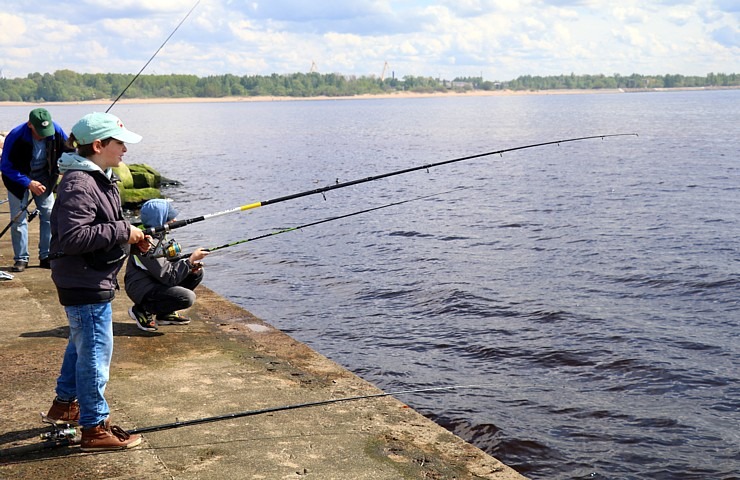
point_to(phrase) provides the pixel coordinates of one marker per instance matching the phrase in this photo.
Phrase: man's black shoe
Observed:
(45, 263)
(19, 266)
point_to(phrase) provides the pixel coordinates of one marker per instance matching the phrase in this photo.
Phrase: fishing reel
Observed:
(169, 249)
(60, 432)
(32, 215)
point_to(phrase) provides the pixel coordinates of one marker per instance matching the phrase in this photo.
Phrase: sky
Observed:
(497, 39)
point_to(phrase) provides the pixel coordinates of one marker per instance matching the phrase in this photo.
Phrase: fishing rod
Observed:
(172, 251)
(24, 209)
(65, 435)
(32, 215)
(249, 206)
(152, 57)
(59, 254)
(261, 411)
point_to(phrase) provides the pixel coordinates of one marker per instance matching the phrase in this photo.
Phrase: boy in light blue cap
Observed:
(90, 240)
(155, 284)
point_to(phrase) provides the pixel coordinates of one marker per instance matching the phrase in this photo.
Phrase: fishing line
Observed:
(152, 58)
(249, 206)
(172, 250)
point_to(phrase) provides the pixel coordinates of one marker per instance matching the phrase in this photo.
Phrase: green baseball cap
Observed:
(40, 118)
(99, 126)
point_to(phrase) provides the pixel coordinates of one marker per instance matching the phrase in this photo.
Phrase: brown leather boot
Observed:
(107, 437)
(63, 413)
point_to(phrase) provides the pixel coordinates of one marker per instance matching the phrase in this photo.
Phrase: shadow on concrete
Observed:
(119, 330)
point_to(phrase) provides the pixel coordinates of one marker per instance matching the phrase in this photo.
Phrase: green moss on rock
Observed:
(124, 173)
(139, 183)
(147, 172)
(134, 197)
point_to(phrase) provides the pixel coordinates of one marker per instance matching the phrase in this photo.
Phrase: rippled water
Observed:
(592, 285)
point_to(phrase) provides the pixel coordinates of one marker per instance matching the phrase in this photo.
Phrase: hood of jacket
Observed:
(157, 212)
(72, 161)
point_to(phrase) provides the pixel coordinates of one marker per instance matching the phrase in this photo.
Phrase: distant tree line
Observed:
(634, 81)
(66, 85)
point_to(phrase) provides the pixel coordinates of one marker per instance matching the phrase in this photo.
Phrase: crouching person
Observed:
(89, 243)
(157, 285)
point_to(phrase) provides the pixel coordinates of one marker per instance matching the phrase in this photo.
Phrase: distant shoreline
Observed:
(272, 98)
(475, 93)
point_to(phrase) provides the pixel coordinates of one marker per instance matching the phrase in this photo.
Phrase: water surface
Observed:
(592, 285)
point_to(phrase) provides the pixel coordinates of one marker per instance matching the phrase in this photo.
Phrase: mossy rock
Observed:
(139, 183)
(124, 173)
(138, 175)
(134, 197)
(147, 172)
(144, 180)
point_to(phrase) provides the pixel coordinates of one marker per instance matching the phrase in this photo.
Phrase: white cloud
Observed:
(12, 28)
(631, 36)
(130, 6)
(501, 39)
(681, 16)
(629, 14)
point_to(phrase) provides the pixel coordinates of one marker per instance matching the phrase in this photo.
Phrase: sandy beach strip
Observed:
(472, 93)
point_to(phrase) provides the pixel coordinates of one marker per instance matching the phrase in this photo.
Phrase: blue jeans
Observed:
(86, 364)
(19, 230)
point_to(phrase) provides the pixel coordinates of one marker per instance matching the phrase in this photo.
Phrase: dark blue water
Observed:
(592, 285)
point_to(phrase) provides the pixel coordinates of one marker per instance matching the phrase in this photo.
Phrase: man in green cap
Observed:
(29, 170)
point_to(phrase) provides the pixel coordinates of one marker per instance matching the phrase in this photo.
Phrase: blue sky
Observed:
(498, 39)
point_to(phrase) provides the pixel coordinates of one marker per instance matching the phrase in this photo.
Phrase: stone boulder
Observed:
(139, 183)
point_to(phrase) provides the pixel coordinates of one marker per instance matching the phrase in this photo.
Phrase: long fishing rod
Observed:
(62, 436)
(59, 254)
(249, 206)
(152, 57)
(249, 413)
(33, 214)
(171, 250)
(114, 102)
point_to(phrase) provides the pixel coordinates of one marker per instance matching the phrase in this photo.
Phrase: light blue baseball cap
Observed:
(99, 126)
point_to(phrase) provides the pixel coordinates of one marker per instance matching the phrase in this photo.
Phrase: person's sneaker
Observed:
(19, 266)
(64, 413)
(173, 318)
(45, 263)
(107, 437)
(144, 319)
